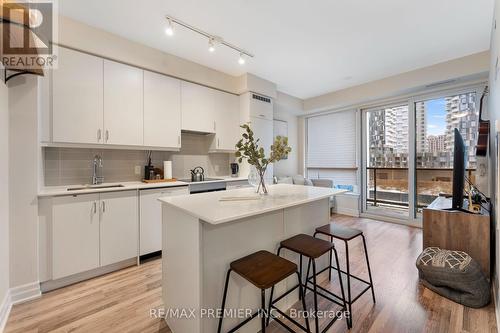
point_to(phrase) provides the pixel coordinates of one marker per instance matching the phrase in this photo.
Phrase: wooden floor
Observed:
(121, 301)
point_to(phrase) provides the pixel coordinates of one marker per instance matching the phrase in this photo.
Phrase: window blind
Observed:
(331, 140)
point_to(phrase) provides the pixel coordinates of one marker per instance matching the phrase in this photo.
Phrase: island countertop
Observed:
(209, 208)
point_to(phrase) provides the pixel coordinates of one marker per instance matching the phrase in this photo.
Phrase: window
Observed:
(434, 152)
(331, 147)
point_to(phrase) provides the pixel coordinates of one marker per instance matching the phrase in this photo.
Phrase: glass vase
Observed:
(256, 178)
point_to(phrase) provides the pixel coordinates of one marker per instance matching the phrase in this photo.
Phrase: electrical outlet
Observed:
(137, 170)
(216, 168)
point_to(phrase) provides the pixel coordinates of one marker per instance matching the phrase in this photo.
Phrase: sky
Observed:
(436, 116)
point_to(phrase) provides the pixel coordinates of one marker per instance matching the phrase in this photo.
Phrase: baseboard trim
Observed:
(347, 211)
(25, 292)
(5, 308)
(50, 285)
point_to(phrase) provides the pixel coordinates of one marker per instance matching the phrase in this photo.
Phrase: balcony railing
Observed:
(388, 186)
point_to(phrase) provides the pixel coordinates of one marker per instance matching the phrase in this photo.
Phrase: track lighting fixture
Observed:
(211, 45)
(241, 60)
(170, 28)
(212, 39)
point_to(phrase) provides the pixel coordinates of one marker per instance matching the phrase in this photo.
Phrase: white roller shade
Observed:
(331, 140)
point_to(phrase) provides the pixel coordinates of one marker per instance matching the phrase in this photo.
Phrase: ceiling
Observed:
(307, 48)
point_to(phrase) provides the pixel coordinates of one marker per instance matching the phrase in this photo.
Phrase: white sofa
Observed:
(347, 203)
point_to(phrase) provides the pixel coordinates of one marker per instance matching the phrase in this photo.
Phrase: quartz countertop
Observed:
(51, 191)
(209, 208)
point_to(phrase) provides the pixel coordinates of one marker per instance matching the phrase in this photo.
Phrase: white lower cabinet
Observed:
(93, 230)
(75, 235)
(119, 227)
(150, 217)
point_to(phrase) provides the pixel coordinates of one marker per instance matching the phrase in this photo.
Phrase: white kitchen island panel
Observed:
(197, 253)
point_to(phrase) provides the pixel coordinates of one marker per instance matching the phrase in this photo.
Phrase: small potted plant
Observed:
(248, 148)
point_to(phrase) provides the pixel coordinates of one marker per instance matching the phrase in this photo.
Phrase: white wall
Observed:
(83, 37)
(287, 108)
(4, 194)
(494, 115)
(23, 179)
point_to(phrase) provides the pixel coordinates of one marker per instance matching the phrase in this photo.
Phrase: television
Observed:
(459, 160)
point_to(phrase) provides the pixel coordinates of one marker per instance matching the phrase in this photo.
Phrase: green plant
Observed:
(248, 148)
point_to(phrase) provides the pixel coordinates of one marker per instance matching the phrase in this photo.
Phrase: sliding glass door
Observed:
(407, 151)
(386, 151)
(436, 120)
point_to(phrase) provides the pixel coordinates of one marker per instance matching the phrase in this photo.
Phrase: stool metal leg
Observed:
(300, 272)
(263, 309)
(307, 277)
(299, 276)
(330, 263)
(369, 270)
(224, 301)
(341, 284)
(316, 321)
(348, 282)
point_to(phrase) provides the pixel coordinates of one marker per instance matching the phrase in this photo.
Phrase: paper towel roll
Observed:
(167, 169)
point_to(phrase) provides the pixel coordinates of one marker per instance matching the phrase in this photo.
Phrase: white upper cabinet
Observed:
(77, 90)
(123, 104)
(162, 111)
(197, 108)
(119, 229)
(227, 121)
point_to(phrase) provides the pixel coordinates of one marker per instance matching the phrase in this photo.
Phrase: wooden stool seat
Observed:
(263, 269)
(307, 245)
(339, 231)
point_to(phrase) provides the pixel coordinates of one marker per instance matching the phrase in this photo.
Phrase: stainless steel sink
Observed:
(88, 187)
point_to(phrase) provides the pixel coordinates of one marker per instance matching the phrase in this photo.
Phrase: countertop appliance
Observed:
(235, 169)
(205, 186)
(197, 174)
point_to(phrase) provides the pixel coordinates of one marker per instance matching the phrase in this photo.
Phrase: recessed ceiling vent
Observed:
(261, 98)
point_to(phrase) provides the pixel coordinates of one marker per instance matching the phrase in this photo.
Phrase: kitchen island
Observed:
(202, 235)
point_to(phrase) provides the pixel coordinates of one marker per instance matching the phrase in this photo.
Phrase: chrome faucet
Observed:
(97, 177)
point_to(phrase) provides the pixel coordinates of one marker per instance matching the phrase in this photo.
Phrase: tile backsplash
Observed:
(71, 166)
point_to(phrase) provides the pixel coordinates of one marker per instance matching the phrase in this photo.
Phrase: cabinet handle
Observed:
(99, 135)
(107, 135)
(215, 126)
(103, 205)
(262, 115)
(179, 140)
(95, 207)
(218, 143)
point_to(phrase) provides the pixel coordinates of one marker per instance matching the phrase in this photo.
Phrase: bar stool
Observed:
(346, 234)
(313, 248)
(264, 270)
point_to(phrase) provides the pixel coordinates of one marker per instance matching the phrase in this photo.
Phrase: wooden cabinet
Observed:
(77, 97)
(458, 231)
(119, 227)
(93, 230)
(227, 122)
(123, 104)
(197, 103)
(162, 111)
(75, 235)
(150, 217)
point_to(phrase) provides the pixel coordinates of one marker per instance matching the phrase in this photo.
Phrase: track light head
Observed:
(211, 45)
(169, 31)
(241, 60)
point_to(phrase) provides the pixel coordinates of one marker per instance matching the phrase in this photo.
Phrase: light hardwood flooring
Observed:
(121, 301)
